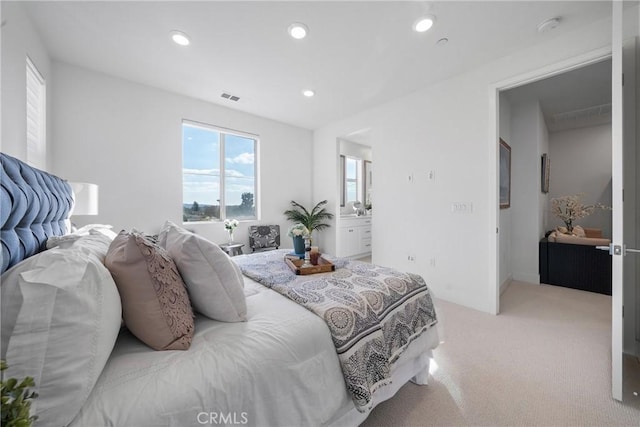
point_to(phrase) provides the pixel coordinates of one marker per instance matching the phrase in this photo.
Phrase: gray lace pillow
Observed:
(155, 303)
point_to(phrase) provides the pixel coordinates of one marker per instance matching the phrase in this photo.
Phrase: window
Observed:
(36, 126)
(351, 179)
(218, 174)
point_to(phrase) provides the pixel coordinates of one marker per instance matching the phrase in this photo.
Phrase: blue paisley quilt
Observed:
(372, 312)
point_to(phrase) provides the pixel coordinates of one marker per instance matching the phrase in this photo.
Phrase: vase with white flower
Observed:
(571, 208)
(298, 232)
(230, 225)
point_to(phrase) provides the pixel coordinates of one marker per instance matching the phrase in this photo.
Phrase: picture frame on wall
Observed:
(505, 175)
(544, 173)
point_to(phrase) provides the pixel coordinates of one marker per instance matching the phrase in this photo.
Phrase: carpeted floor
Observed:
(544, 361)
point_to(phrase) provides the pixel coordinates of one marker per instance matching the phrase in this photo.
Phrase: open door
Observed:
(623, 248)
(631, 166)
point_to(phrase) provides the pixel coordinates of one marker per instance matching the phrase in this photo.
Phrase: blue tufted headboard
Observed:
(34, 205)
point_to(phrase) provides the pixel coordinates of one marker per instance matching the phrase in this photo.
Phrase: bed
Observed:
(279, 365)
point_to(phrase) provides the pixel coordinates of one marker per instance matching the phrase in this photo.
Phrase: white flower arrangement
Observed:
(298, 230)
(231, 224)
(570, 208)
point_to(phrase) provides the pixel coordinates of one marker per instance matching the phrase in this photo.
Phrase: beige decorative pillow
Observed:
(214, 281)
(593, 233)
(568, 238)
(155, 303)
(578, 231)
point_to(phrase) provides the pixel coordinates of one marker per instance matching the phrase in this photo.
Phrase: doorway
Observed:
(559, 131)
(631, 184)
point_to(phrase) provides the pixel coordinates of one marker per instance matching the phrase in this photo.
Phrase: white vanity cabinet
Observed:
(354, 236)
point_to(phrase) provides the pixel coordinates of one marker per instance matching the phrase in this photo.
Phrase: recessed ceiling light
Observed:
(308, 93)
(298, 30)
(423, 24)
(180, 38)
(548, 25)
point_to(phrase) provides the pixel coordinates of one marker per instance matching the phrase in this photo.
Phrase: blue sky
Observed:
(201, 166)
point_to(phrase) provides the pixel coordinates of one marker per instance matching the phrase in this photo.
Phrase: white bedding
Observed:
(279, 368)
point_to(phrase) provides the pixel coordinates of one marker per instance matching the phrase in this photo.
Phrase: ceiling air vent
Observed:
(598, 111)
(231, 97)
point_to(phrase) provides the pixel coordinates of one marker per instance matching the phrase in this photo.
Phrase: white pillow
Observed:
(61, 315)
(91, 229)
(92, 244)
(214, 281)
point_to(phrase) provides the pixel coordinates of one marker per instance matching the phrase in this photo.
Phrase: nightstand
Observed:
(232, 249)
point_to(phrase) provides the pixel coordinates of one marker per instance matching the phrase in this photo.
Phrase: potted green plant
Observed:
(16, 400)
(313, 220)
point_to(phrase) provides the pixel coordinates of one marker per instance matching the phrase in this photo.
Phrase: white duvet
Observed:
(277, 369)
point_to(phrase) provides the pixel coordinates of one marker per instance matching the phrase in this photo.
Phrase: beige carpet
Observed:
(544, 361)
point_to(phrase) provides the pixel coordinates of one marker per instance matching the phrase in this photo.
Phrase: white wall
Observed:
(505, 270)
(444, 128)
(581, 163)
(127, 138)
(19, 39)
(354, 149)
(529, 139)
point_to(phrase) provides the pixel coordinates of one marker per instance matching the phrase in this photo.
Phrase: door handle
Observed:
(617, 249)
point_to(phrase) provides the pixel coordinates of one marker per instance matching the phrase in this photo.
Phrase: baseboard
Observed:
(527, 278)
(504, 285)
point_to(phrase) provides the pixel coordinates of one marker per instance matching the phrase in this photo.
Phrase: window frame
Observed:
(222, 131)
(36, 148)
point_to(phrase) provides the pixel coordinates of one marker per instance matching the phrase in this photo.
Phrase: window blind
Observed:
(36, 129)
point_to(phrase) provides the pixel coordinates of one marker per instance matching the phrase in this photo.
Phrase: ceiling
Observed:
(575, 99)
(357, 54)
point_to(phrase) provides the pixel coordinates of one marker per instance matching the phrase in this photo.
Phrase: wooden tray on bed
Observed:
(323, 266)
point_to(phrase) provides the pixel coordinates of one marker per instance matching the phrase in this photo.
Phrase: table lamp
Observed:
(86, 198)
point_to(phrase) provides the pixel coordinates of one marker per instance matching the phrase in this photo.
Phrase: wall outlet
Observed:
(431, 175)
(411, 258)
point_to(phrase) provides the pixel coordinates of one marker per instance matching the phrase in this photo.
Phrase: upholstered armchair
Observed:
(264, 237)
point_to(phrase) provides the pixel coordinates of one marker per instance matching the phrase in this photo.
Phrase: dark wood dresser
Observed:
(575, 266)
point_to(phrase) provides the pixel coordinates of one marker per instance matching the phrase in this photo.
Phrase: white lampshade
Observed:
(86, 198)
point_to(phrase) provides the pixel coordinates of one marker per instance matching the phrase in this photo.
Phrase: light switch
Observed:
(462, 207)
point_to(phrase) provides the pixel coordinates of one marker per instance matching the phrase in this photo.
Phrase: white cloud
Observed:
(215, 172)
(232, 173)
(242, 158)
(229, 173)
